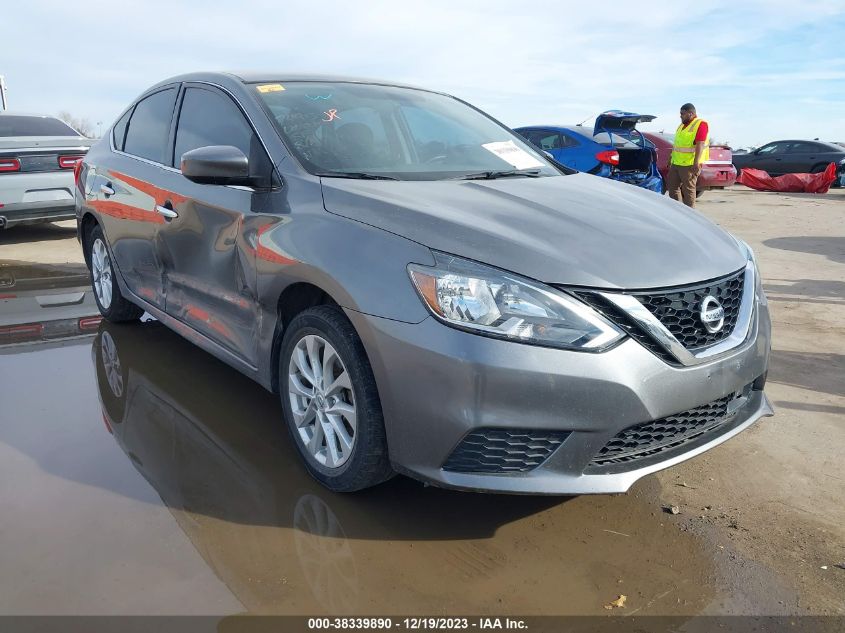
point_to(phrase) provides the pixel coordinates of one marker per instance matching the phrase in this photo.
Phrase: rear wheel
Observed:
(112, 304)
(330, 401)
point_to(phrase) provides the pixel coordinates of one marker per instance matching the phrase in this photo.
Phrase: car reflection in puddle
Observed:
(213, 446)
(44, 304)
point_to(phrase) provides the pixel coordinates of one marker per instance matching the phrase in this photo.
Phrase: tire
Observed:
(699, 193)
(112, 304)
(350, 457)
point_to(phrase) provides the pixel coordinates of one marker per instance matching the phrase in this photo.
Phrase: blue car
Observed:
(612, 149)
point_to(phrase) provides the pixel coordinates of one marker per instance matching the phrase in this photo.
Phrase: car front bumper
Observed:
(438, 384)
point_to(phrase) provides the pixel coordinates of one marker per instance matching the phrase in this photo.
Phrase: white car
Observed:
(37, 159)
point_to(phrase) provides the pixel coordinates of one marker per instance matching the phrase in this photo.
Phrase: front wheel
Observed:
(330, 401)
(112, 304)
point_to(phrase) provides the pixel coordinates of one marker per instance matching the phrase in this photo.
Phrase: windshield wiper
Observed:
(355, 174)
(492, 175)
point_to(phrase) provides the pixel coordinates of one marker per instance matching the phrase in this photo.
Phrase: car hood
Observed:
(616, 121)
(577, 229)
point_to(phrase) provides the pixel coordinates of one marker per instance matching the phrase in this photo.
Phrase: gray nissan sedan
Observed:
(427, 293)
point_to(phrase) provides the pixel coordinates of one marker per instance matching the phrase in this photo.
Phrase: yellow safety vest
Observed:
(683, 152)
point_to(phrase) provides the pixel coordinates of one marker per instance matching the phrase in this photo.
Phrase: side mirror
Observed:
(216, 165)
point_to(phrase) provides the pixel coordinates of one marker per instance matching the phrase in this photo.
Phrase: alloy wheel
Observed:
(322, 401)
(101, 272)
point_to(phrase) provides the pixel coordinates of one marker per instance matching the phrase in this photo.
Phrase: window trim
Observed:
(129, 111)
(274, 170)
(177, 86)
(180, 100)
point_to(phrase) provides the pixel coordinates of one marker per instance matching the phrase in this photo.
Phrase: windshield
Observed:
(402, 133)
(17, 125)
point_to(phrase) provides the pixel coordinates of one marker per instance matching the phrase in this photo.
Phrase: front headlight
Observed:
(485, 300)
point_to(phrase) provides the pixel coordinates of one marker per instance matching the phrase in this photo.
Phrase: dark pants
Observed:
(680, 183)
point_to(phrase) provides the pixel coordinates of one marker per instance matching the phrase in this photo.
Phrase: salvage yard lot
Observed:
(760, 526)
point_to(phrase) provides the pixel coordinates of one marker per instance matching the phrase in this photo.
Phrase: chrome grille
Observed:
(679, 309)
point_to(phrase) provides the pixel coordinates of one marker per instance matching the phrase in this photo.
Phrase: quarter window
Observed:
(149, 127)
(210, 118)
(119, 132)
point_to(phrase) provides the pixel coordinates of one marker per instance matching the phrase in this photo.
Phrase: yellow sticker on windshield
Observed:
(270, 88)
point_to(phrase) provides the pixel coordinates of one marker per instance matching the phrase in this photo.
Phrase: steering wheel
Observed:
(433, 159)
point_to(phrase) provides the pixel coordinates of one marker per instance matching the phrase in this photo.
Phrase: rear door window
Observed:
(149, 127)
(550, 140)
(208, 117)
(800, 148)
(568, 141)
(547, 139)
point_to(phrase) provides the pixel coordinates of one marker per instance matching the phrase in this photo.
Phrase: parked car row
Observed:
(37, 157)
(615, 149)
(427, 292)
(793, 157)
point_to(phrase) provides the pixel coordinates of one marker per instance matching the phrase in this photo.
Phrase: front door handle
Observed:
(166, 211)
(107, 190)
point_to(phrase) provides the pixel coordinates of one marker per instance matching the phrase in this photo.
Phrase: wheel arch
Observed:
(293, 300)
(86, 225)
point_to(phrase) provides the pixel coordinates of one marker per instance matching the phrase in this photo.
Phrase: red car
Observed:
(717, 173)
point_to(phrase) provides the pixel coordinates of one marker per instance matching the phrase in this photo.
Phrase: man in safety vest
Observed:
(691, 149)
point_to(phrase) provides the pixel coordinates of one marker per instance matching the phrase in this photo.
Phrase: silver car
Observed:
(37, 159)
(427, 293)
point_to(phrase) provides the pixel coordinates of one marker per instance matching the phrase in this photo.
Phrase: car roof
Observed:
(832, 146)
(577, 129)
(249, 77)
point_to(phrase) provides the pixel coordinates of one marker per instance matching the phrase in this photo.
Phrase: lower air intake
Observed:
(503, 450)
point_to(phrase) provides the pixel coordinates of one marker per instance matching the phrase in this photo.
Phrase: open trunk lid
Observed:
(617, 121)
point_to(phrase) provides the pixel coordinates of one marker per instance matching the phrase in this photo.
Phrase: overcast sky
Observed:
(756, 70)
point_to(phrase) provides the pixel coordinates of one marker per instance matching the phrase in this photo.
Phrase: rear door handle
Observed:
(167, 210)
(107, 190)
